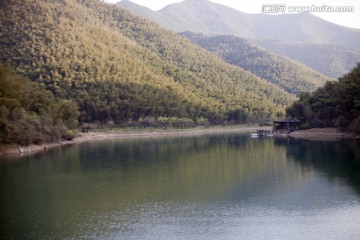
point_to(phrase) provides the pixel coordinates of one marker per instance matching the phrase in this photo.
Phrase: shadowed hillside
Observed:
(337, 104)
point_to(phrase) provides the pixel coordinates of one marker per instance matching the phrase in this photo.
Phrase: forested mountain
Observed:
(290, 75)
(120, 68)
(332, 61)
(204, 16)
(337, 104)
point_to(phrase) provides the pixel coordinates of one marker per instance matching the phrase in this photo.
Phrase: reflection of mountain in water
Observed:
(190, 168)
(225, 167)
(185, 168)
(115, 181)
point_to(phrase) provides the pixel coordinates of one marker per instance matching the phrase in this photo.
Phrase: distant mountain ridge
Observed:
(203, 16)
(330, 60)
(327, 48)
(290, 75)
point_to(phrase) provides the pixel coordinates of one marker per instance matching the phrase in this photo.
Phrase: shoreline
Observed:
(115, 133)
(323, 133)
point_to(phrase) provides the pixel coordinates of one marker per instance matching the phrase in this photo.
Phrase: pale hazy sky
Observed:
(351, 19)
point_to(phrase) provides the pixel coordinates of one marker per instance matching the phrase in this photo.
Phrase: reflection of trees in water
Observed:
(193, 166)
(109, 178)
(337, 159)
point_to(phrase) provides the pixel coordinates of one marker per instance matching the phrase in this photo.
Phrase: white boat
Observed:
(261, 133)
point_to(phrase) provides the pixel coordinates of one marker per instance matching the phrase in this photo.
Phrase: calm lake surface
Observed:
(220, 186)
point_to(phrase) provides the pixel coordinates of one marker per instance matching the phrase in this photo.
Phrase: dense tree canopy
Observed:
(337, 104)
(31, 114)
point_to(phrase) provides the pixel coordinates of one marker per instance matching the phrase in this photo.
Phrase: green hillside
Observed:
(284, 72)
(120, 68)
(337, 104)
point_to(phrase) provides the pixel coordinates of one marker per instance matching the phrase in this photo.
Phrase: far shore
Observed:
(322, 133)
(98, 134)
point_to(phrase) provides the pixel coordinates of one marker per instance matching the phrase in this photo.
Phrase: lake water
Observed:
(220, 186)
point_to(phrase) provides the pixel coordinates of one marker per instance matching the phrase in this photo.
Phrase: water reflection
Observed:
(207, 187)
(339, 160)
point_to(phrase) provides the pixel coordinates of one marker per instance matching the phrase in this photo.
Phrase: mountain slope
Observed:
(332, 61)
(118, 67)
(286, 73)
(203, 16)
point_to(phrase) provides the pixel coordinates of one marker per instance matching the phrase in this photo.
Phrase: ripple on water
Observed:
(222, 221)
